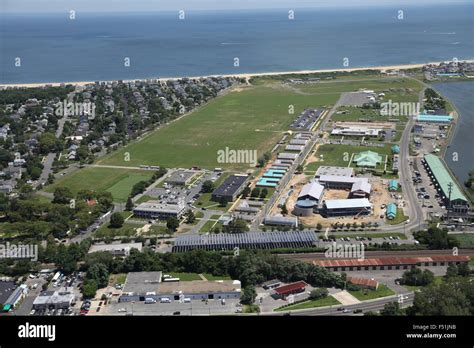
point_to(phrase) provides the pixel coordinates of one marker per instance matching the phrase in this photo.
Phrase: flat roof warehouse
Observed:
(251, 240)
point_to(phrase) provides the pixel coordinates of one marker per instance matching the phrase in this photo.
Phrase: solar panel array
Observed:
(251, 240)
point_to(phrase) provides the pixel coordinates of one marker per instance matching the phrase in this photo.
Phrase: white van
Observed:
(150, 300)
(187, 300)
(165, 300)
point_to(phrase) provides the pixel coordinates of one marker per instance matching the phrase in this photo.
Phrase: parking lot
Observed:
(211, 307)
(427, 195)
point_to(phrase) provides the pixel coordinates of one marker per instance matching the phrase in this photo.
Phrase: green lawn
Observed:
(253, 119)
(366, 294)
(204, 200)
(184, 277)
(126, 230)
(119, 182)
(327, 301)
(401, 217)
(437, 281)
(211, 277)
(117, 278)
(144, 198)
(208, 225)
(466, 240)
(340, 155)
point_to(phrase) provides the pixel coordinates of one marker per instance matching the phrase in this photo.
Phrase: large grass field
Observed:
(366, 294)
(340, 155)
(119, 182)
(250, 119)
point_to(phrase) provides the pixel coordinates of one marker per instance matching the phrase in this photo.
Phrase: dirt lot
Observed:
(380, 195)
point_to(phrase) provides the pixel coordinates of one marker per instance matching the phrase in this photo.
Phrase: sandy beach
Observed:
(243, 75)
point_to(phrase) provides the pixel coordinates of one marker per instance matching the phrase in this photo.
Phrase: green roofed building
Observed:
(393, 185)
(434, 118)
(367, 159)
(442, 179)
(391, 211)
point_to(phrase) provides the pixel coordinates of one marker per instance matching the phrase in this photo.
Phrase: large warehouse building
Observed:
(309, 197)
(142, 285)
(230, 188)
(159, 210)
(442, 180)
(344, 207)
(390, 263)
(250, 240)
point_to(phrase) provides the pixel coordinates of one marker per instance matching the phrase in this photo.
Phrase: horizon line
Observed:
(285, 8)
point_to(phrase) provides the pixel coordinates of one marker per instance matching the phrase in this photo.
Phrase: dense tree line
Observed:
(29, 218)
(436, 238)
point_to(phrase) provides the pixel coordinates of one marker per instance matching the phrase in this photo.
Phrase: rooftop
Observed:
(199, 287)
(335, 171)
(115, 247)
(142, 281)
(313, 189)
(348, 203)
(443, 177)
(230, 185)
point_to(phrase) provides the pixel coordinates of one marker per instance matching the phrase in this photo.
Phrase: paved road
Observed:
(414, 209)
(366, 306)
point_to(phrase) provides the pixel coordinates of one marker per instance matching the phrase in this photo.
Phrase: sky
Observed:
(34, 6)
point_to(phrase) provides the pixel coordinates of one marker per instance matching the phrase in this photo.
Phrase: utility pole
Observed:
(450, 189)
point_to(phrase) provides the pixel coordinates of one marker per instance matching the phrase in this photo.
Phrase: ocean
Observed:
(460, 156)
(53, 48)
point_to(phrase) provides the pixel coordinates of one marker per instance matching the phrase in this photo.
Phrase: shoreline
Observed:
(238, 75)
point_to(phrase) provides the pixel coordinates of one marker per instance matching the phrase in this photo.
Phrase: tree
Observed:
(319, 226)
(416, 276)
(454, 297)
(222, 201)
(255, 192)
(139, 187)
(436, 238)
(172, 223)
(451, 271)
(190, 217)
(129, 204)
(116, 220)
(246, 191)
(236, 226)
(263, 193)
(207, 186)
(89, 288)
(464, 270)
(62, 195)
(248, 296)
(50, 179)
(316, 294)
(284, 210)
(99, 273)
(392, 309)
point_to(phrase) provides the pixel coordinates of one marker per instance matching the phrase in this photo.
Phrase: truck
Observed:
(56, 277)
